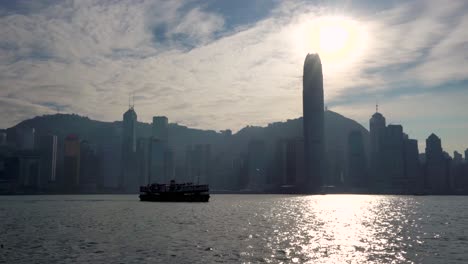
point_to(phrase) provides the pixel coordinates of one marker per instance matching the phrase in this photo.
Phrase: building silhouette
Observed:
(313, 123)
(356, 176)
(48, 154)
(22, 137)
(437, 181)
(377, 125)
(393, 160)
(256, 165)
(89, 167)
(129, 178)
(160, 128)
(71, 166)
(3, 138)
(289, 165)
(466, 155)
(156, 159)
(143, 160)
(413, 171)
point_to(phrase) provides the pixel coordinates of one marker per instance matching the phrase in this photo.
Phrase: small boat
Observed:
(174, 192)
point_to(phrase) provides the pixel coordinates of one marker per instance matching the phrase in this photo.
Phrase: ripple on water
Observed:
(237, 228)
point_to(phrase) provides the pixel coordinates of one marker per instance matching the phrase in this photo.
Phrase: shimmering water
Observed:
(233, 229)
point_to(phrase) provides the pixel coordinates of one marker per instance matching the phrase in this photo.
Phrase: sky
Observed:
(228, 64)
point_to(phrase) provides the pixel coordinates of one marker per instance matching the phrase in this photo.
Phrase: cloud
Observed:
(183, 59)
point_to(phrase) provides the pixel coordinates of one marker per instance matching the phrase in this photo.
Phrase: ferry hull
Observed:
(174, 197)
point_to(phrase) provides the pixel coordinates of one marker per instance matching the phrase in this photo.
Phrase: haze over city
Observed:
(228, 64)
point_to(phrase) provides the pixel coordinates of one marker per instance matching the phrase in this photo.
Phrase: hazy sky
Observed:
(228, 64)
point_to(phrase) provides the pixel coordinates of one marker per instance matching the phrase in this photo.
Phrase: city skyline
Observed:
(172, 66)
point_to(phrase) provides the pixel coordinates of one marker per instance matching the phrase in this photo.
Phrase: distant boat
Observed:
(175, 192)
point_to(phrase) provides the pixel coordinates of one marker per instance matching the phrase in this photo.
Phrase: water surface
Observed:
(234, 228)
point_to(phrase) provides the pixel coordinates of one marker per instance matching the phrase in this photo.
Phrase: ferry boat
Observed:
(174, 192)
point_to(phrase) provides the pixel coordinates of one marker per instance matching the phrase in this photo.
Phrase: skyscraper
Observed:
(159, 129)
(393, 168)
(48, 153)
(412, 166)
(256, 164)
(377, 125)
(129, 178)
(435, 165)
(357, 164)
(71, 165)
(313, 118)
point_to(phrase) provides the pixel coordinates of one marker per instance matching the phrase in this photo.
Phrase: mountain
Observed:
(337, 128)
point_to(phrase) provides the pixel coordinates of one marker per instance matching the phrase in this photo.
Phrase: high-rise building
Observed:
(435, 169)
(48, 153)
(3, 138)
(169, 165)
(393, 160)
(143, 160)
(129, 178)
(377, 125)
(313, 123)
(356, 176)
(256, 165)
(89, 167)
(466, 155)
(457, 157)
(160, 128)
(457, 173)
(71, 165)
(156, 159)
(413, 167)
(200, 159)
(21, 137)
(110, 157)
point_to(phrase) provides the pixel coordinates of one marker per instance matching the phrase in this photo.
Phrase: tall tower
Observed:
(129, 180)
(377, 125)
(436, 170)
(314, 143)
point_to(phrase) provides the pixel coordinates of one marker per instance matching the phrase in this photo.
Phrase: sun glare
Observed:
(337, 39)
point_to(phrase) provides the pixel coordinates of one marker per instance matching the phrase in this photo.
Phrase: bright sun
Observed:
(336, 39)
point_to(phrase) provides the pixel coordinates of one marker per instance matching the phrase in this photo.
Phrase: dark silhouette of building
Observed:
(313, 123)
(110, 157)
(3, 138)
(356, 177)
(129, 179)
(48, 154)
(395, 180)
(143, 160)
(466, 155)
(413, 171)
(21, 137)
(198, 163)
(457, 173)
(169, 165)
(160, 128)
(377, 125)
(71, 166)
(156, 159)
(89, 167)
(436, 166)
(289, 165)
(256, 165)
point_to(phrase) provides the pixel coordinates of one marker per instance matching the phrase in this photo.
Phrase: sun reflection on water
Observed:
(342, 229)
